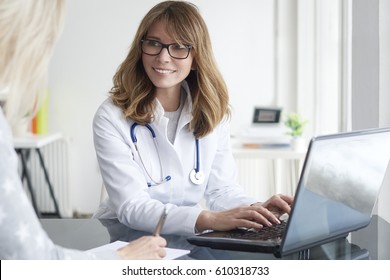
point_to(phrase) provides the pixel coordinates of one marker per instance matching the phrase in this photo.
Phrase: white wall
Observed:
(370, 87)
(370, 75)
(384, 97)
(96, 38)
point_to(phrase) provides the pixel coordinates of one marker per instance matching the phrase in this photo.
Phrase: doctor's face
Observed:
(163, 69)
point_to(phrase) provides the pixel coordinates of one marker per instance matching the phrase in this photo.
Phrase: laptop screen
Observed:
(338, 188)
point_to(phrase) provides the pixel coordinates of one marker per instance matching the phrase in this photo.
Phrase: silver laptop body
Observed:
(336, 194)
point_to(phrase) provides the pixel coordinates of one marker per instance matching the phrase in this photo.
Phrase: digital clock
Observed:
(266, 115)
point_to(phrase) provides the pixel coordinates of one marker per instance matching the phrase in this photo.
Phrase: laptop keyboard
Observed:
(263, 234)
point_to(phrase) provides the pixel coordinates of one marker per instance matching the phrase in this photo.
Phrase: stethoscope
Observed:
(196, 175)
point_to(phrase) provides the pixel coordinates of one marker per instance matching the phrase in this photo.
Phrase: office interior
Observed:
(328, 60)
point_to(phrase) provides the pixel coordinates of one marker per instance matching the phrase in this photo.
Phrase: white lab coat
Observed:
(139, 206)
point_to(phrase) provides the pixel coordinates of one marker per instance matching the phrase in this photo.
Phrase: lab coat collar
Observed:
(186, 115)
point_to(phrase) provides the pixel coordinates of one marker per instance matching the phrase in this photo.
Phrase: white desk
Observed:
(34, 141)
(276, 155)
(23, 147)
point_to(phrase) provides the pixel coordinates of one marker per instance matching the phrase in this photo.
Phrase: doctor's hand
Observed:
(144, 248)
(278, 204)
(255, 216)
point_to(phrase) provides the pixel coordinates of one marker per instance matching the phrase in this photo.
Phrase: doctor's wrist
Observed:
(203, 222)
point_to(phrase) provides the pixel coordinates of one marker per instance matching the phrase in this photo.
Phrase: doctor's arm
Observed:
(231, 207)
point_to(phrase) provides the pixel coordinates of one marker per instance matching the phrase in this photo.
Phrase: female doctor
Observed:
(162, 137)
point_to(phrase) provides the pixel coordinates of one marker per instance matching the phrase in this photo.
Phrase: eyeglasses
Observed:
(175, 50)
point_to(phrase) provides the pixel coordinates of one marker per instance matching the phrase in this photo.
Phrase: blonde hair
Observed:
(29, 30)
(134, 93)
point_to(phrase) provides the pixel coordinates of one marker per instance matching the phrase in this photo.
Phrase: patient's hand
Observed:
(144, 248)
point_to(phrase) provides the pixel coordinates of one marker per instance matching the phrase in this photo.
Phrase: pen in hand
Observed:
(161, 222)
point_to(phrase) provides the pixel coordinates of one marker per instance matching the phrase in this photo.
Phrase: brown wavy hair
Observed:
(133, 91)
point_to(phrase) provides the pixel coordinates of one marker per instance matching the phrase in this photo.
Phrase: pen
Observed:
(161, 222)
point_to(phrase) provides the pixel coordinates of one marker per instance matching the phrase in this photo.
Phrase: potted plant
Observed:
(296, 124)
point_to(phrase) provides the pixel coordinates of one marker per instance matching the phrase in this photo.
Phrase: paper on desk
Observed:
(171, 253)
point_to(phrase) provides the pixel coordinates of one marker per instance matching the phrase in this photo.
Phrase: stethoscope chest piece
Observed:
(197, 178)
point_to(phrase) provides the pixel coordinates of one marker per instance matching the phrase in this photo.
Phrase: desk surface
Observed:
(84, 234)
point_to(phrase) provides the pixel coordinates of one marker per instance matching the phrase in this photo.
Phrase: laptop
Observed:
(336, 194)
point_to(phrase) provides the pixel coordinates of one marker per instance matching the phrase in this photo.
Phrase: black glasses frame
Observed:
(165, 46)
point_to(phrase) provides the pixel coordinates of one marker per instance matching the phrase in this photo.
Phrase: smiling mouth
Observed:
(163, 71)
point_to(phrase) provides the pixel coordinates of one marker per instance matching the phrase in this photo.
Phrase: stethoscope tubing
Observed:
(132, 132)
(135, 141)
(197, 161)
(196, 176)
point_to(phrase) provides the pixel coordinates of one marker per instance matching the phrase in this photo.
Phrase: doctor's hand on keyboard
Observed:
(279, 204)
(255, 216)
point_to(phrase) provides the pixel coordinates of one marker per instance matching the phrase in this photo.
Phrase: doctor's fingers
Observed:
(287, 198)
(285, 201)
(255, 216)
(279, 204)
(264, 216)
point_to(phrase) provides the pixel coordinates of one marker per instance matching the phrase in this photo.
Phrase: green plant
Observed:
(295, 124)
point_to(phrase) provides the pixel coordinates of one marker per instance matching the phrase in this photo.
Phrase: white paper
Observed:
(171, 253)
